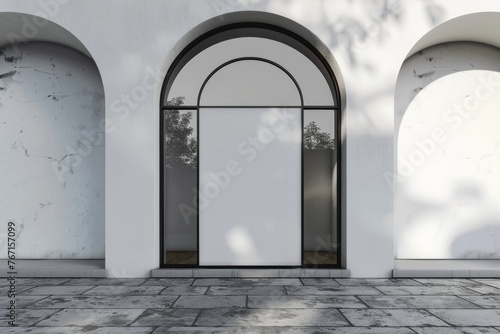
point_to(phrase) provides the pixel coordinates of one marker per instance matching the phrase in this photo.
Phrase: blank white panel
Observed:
(250, 186)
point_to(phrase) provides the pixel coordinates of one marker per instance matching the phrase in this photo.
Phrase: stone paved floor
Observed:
(285, 305)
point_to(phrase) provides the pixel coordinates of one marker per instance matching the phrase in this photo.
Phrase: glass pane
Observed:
(320, 189)
(313, 84)
(249, 83)
(180, 182)
(250, 173)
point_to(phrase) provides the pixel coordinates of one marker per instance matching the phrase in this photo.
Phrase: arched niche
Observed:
(52, 141)
(447, 134)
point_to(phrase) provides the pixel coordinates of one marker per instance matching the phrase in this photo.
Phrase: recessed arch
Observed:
(446, 99)
(52, 106)
(475, 27)
(16, 27)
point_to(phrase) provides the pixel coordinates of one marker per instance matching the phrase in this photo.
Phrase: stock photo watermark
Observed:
(12, 272)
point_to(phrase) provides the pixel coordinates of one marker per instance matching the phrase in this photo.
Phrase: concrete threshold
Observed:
(54, 268)
(250, 273)
(466, 268)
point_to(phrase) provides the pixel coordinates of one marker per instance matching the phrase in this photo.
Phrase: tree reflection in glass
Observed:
(180, 143)
(180, 177)
(320, 219)
(314, 139)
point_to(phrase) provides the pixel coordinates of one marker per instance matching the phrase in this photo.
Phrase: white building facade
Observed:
(410, 91)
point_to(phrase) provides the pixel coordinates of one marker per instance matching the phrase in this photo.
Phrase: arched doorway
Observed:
(249, 127)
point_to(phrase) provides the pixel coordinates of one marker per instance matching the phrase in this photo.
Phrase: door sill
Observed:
(453, 268)
(250, 273)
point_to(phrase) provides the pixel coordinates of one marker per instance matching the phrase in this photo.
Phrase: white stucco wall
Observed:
(51, 152)
(134, 43)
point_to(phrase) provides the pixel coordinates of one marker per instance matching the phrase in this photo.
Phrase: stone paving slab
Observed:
(391, 318)
(114, 330)
(309, 302)
(271, 317)
(47, 290)
(92, 317)
(469, 317)
(110, 290)
(283, 330)
(20, 301)
(319, 281)
(169, 281)
(489, 281)
(210, 302)
(331, 290)
(76, 330)
(26, 317)
(456, 330)
(4, 290)
(447, 282)
(123, 302)
(427, 290)
(41, 281)
(40, 330)
(485, 289)
(106, 281)
(404, 302)
(492, 301)
(263, 290)
(167, 317)
(187, 290)
(247, 281)
(377, 281)
(254, 305)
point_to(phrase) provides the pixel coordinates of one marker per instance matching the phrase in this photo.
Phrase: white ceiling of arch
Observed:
(20, 28)
(477, 27)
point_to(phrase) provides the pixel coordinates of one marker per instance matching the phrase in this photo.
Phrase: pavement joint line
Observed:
(480, 307)
(196, 318)
(382, 292)
(165, 288)
(345, 317)
(46, 317)
(446, 322)
(175, 301)
(358, 297)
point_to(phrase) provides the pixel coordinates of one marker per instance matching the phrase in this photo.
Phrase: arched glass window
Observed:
(249, 123)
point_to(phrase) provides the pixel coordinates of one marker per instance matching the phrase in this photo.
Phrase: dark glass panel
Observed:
(180, 183)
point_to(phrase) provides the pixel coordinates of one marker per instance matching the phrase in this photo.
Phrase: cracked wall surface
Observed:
(51, 151)
(448, 150)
